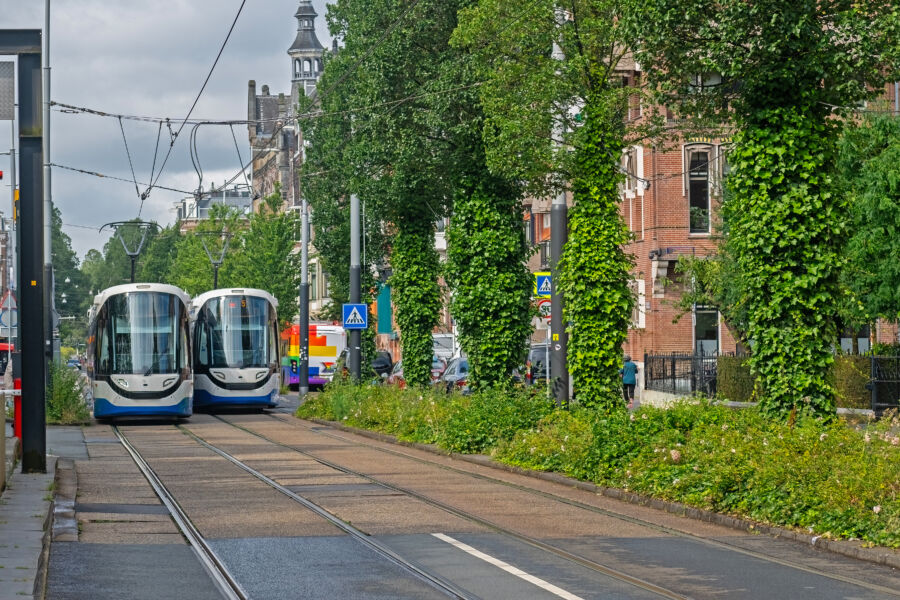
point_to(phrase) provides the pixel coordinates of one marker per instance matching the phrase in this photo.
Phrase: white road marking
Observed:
(508, 567)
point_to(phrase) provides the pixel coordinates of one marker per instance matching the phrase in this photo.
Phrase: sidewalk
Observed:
(24, 514)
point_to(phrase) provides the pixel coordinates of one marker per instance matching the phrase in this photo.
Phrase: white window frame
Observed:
(639, 313)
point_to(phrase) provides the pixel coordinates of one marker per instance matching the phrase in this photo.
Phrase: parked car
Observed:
(74, 363)
(383, 364)
(396, 376)
(537, 366)
(455, 376)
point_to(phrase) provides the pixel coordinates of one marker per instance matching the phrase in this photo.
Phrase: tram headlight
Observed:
(169, 381)
(122, 382)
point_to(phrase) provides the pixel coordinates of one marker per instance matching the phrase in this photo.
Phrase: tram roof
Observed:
(198, 301)
(130, 288)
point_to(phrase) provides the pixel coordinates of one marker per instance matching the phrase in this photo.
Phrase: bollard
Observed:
(17, 403)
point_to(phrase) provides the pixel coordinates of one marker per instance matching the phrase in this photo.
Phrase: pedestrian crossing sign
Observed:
(543, 285)
(356, 316)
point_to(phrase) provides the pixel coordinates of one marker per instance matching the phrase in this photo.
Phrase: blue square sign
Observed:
(355, 316)
(543, 285)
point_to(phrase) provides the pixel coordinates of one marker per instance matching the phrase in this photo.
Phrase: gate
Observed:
(885, 383)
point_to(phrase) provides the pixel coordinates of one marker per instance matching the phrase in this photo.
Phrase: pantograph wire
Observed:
(240, 159)
(130, 163)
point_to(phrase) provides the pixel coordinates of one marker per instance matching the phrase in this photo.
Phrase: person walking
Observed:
(629, 381)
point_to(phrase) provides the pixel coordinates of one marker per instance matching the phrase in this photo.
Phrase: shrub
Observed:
(826, 477)
(734, 381)
(851, 374)
(65, 398)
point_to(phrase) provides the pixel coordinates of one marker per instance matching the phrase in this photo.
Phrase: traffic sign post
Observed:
(543, 284)
(355, 316)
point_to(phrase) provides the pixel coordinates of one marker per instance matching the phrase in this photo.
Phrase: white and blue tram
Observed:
(236, 363)
(139, 352)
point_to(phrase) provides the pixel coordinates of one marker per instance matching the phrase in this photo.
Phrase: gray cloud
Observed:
(149, 58)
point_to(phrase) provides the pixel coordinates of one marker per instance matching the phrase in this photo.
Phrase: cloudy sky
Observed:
(149, 58)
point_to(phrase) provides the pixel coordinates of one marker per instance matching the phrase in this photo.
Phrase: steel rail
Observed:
(224, 580)
(531, 541)
(438, 582)
(605, 512)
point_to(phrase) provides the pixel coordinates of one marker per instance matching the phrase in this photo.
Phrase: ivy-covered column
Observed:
(418, 297)
(786, 227)
(486, 253)
(595, 271)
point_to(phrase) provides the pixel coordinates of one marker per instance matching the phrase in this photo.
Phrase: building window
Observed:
(706, 330)
(629, 166)
(698, 190)
(639, 312)
(314, 282)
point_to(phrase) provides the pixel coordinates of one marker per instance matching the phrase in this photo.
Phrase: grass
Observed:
(65, 401)
(827, 478)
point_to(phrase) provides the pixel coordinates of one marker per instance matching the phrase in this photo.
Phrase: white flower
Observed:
(725, 427)
(867, 438)
(765, 442)
(822, 437)
(733, 450)
(675, 456)
(876, 509)
(531, 450)
(631, 416)
(644, 416)
(675, 481)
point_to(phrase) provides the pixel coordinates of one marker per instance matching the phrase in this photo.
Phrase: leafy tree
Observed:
(71, 296)
(535, 104)
(263, 257)
(191, 269)
(868, 157)
(777, 70)
(159, 257)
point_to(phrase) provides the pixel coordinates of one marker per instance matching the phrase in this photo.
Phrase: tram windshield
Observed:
(236, 332)
(141, 334)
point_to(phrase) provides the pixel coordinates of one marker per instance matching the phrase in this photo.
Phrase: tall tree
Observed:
(161, 252)
(557, 124)
(778, 71)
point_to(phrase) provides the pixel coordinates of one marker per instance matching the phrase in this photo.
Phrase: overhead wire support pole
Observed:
(559, 230)
(26, 44)
(304, 295)
(49, 307)
(355, 285)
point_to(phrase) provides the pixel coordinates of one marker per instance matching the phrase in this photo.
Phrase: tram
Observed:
(139, 352)
(235, 333)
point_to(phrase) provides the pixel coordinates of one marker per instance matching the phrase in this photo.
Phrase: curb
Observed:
(40, 578)
(881, 556)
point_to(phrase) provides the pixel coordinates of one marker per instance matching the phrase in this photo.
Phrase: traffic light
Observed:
(1, 174)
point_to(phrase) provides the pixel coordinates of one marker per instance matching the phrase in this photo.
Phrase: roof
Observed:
(205, 297)
(306, 9)
(306, 40)
(135, 288)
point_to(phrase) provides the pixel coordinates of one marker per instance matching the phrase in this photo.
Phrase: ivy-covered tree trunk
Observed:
(486, 270)
(786, 229)
(595, 271)
(418, 296)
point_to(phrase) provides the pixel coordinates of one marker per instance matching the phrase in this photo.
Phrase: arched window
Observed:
(307, 66)
(297, 68)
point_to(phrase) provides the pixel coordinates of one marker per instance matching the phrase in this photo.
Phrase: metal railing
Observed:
(681, 373)
(884, 383)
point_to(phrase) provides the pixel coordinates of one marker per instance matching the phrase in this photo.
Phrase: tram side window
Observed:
(203, 345)
(102, 348)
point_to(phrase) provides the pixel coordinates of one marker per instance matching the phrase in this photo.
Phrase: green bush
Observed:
(851, 374)
(733, 379)
(848, 377)
(829, 478)
(65, 398)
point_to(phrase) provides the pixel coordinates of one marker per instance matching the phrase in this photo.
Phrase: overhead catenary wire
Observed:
(193, 105)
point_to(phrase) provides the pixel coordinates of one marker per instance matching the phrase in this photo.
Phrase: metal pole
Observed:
(897, 97)
(13, 267)
(32, 286)
(132, 267)
(48, 204)
(304, 298)
(215, 275)
(558, 235)
(354, 284)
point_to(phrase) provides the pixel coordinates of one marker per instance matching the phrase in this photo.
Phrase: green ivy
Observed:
(486, 270)
(786, 231)
(595, 271)
(417, 295)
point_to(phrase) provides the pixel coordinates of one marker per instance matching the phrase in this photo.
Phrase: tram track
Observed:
(528, 540)
(224, 580)
(574, 503)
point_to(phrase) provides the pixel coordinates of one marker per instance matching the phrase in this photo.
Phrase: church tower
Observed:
(306, 54)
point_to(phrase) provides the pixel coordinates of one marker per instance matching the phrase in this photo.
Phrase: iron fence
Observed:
(681, 373)
(884, 383)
